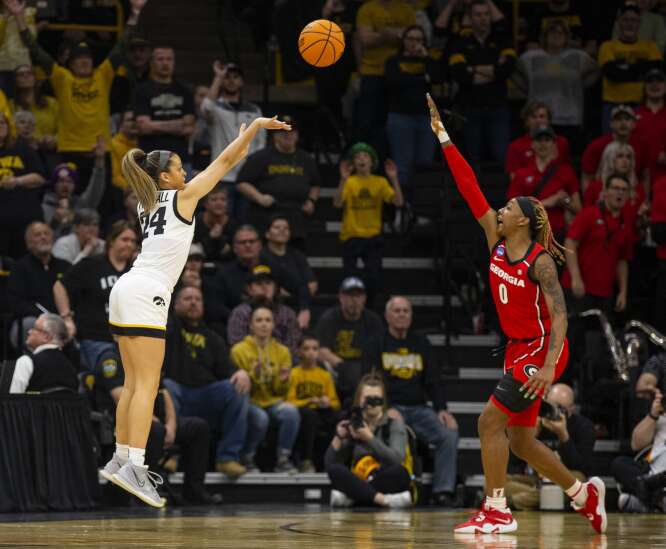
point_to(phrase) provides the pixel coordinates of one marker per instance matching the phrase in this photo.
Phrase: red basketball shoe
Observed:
(488, 521)
(595, 506)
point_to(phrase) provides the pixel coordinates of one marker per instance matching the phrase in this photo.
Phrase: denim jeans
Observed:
(426, 425)
(218, 403)
(490, 126)
(289, 421)
(411, 142)
(91, 349)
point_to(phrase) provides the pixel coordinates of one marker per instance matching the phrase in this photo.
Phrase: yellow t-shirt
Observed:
(614, 50)
(84, 107)
(378, 16)
(305, 383)
(363, 198)
(46, 118)
(263, 366)
(120, 144)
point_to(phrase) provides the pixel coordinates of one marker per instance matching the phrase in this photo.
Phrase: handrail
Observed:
(117, 28)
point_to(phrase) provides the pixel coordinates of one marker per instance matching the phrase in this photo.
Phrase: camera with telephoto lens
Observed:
(356, 418)
(550, 411)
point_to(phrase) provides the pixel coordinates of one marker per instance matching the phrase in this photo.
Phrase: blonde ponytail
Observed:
(143, 185)
(543, 233)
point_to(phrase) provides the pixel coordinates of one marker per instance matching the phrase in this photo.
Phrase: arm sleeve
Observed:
(466, 181)
(22, 374)
(92, 196)
(37, 54)
(394, 452)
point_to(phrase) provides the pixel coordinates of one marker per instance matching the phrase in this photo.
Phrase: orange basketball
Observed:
(321, 43)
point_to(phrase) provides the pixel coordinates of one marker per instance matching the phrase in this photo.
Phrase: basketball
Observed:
(321, 43)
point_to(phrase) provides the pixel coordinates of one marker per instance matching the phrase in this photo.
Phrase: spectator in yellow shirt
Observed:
(81, 89)
(312, 390)
(268, 364)
(362, 195)
(121, 142)
(379, 28)
(624, 62)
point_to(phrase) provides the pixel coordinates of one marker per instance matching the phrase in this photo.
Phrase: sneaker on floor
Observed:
(232, 469)
(400, 500)
(139, 481)
(340, 499)
(112, 467)
(249, 464)
(594, 509)
(284, 465)
(629, 503)
(445, 500)
(307, 467)
(488, 521)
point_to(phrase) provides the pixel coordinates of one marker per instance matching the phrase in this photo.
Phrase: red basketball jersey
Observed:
(519, 300)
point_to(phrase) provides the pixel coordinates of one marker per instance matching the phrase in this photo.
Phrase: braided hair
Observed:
(540, 229)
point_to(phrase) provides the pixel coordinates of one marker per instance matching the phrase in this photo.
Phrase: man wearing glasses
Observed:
(45, 368)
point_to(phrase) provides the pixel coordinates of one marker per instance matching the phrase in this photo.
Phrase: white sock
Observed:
(137, 456)
(122, 450)
(578, 493)
(496, 503)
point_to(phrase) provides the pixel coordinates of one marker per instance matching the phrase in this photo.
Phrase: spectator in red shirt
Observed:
(623, 124)
(620, 158)
(520, 153)
(651, 121)
(599, 246)
(658, 219)
(555, 184)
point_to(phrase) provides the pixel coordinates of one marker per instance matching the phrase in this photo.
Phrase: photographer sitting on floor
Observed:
(570, 434)
(644, 480)
(364, 459)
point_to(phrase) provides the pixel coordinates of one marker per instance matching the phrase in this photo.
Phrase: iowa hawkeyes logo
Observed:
(159, 301)
(530, 369)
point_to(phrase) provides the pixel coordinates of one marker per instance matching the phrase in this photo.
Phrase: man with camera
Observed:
(643, 480)
(564, 430)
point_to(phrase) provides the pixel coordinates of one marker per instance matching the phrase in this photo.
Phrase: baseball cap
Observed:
(352, 283)
(260, 272)
(234, 67)
(543, 131)
(629, 6)
(623, 109)
(655, 74)
(80, 50)
(196, 249)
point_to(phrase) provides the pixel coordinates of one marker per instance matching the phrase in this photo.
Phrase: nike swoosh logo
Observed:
(504, 521)
(139, 482)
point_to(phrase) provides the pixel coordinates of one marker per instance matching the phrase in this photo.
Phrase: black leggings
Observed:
(626, 471)
(389, 479)
(312, 421)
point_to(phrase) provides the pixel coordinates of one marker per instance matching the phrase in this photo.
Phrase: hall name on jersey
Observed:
(507, 277)
(163, 196)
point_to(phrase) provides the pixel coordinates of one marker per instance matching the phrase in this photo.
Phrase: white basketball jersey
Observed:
(167, 238)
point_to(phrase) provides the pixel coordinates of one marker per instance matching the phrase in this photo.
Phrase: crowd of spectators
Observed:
(250, 372)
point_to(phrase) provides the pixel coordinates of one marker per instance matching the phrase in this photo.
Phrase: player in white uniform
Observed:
(139, 301)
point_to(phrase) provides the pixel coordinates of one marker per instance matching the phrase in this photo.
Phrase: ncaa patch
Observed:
(530, 369)
(109, 368)
(500, 251)
(159, 301)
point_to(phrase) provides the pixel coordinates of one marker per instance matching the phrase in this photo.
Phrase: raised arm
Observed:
(203, 183)
(465, 179)
(37, 55)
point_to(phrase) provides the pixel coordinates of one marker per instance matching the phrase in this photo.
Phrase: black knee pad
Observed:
(508, 394)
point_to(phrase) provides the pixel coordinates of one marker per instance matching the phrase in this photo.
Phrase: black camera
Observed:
(356, 420)
(550, 411)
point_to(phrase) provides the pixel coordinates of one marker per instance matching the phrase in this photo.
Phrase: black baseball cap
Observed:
(655, 74)
(260, 272)
(82, 49)
(351, 284)
(629, 6)
(234, 67)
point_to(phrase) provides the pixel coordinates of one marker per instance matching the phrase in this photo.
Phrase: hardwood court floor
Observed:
(298, 527)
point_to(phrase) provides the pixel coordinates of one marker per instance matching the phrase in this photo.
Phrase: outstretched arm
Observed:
(464, 177)
(545, 273)
(203, 183)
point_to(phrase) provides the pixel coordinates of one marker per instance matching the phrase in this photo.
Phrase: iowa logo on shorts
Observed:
(159, 301)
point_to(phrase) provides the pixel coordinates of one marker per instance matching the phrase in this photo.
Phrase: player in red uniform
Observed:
(532, 312)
